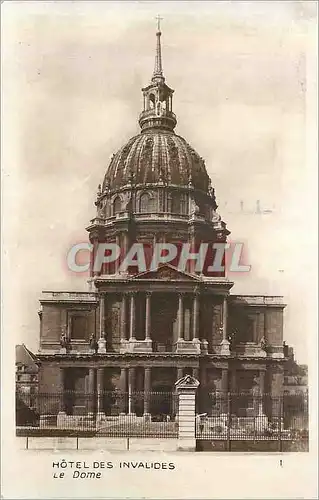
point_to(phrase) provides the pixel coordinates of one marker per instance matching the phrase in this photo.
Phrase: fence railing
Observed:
(219, 416)
(107, 413)
(246, 416)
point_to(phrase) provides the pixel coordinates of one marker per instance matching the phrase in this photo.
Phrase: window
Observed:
(117, 205)
(152, 101)
(147, 203)
(78, 327)
(183, 204)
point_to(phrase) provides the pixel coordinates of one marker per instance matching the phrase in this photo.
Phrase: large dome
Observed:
(156, 178)
(156, 155)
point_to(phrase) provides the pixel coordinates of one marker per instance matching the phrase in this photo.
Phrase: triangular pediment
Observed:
(166, 272)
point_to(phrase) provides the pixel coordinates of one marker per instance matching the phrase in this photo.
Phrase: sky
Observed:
(243, 74)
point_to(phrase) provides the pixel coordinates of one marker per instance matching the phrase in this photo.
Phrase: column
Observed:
(195, 315)
(233, 382)
(147, 390)
(224, 388)
(123, 317)
(261, 391)
(105, 267)
(125, 243)
(132, 316)
(225, 318)
(225, 342)
(188, 327)
(131, 387)
(224, 380)
(187, 414)
(262, 382)
(123, 389)
(100, 388)
(203, 376)
(102, 341)
(102, 318)
(180, 316)
(192, 262)
(117, 262)
(235, 396)
(63, 404)
(148, 316)
(91, 390)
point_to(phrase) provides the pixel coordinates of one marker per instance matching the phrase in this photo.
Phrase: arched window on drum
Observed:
(147, 203)
(117, 205)
(184, 204)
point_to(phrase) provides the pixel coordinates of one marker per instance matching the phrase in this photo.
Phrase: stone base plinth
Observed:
(188, 346)
(224, 348)
(204, 347)
(73, 421)
(250, 349)
(101, 346)
(185, 444)
(134, 345)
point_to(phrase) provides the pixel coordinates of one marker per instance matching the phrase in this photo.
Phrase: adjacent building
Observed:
(27, 369)
(295, 375)
(26, 380)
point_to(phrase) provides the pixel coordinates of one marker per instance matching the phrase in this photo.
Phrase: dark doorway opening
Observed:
(161, 402)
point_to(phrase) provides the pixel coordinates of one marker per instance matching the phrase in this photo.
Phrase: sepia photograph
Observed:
(159, 247)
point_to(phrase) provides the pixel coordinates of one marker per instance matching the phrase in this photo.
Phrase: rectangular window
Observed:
(78, 327)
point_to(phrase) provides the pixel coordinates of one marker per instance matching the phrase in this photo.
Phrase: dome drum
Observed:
(154, 200)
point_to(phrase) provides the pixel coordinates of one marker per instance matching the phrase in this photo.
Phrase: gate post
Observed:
(186, 389)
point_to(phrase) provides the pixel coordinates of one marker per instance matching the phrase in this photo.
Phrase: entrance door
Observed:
(163, 316)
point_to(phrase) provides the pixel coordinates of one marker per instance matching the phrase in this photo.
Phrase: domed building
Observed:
(142, 331)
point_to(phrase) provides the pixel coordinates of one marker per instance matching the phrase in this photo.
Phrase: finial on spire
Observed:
(158, 19)
(158, 70)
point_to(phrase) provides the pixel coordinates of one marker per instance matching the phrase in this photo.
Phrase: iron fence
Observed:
(245, 417)
(229, 418)
(107, 413)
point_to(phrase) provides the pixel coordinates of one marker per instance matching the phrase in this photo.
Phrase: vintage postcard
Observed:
(159, 241)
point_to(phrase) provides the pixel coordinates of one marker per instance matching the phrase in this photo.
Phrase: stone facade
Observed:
(144, 331)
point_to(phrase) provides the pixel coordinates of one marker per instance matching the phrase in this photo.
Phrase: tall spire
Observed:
(157, 107)
(158, 69)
